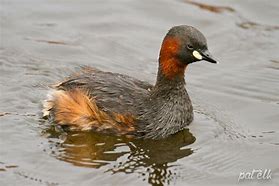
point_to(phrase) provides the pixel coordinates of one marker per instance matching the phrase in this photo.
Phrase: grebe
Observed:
(121, 105)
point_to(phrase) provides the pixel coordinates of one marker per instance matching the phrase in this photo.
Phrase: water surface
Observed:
(236, 102)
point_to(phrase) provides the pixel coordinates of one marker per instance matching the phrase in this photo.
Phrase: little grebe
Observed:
(118, 104)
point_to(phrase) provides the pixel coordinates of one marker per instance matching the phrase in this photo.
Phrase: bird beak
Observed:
(207, 56)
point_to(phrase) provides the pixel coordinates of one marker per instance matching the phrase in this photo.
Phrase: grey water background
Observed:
(236, 102)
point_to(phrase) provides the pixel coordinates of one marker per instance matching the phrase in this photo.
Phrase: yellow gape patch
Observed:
(197, 55)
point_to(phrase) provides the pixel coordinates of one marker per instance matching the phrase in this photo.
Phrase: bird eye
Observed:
(190, 47)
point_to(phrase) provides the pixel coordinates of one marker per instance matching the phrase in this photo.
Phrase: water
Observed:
(236, 102)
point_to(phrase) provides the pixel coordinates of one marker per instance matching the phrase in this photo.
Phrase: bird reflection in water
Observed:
(153, 160)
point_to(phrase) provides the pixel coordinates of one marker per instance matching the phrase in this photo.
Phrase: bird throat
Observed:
(172, 68)
(169, 64)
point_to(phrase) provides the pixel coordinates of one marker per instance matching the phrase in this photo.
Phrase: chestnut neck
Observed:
(172, 81)
(168, 107)
(171, 70)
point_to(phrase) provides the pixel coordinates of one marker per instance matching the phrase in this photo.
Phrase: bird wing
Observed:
(113, 92)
